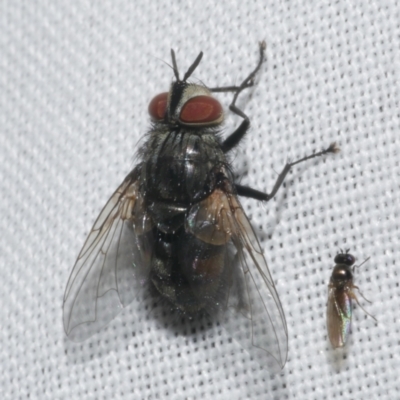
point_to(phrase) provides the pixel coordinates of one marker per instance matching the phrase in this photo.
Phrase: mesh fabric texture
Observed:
(75, 82)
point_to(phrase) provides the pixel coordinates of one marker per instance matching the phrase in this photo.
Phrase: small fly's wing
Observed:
(338, 316)
(113, 264)
(253, 302)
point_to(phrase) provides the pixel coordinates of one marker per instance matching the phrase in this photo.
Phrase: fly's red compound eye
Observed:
(201, 110)
(158, 106)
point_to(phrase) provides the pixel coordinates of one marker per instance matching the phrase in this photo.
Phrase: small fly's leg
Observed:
(354, 297)
(359, 291)
(233, 139)
(255, 194)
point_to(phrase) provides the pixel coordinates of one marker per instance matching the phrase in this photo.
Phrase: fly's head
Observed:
(345, 258)
(342, 274)
(186, 104)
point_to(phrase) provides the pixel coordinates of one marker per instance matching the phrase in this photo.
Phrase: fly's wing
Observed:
(338, 316)
(112, 265)
(220, 220)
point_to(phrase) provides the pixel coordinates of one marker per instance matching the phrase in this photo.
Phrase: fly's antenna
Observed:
(174, 66)
(193, 66)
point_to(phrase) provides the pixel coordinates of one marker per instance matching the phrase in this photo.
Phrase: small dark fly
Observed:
(175, 225)
(340, 300)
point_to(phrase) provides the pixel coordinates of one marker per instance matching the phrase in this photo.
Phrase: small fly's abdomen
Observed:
(338, 316)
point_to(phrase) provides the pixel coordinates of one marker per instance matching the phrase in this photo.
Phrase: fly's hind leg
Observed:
(255, 194)
(354, 297)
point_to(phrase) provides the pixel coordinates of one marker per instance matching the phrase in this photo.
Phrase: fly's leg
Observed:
(255, 194)
(246, 191)
(233, 139)
(225, 89)
(354, 297)
(359, 291)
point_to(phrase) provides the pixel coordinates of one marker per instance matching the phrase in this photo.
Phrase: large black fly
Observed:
(175, 224)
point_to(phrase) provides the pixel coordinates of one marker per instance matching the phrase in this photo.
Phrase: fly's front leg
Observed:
(246, 191)
(232, 140)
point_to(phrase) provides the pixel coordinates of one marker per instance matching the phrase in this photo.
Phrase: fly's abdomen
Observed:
(338, 317)
(190, 274)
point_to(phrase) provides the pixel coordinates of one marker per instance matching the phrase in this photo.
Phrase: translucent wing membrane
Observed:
(115, 261)
(255, 313)
(112, 265)
(338, 317)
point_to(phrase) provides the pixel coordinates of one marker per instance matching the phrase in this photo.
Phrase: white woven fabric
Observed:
(75, 81)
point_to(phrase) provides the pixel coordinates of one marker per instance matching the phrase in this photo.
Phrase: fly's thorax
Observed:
(342, 277)
(178, 166)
